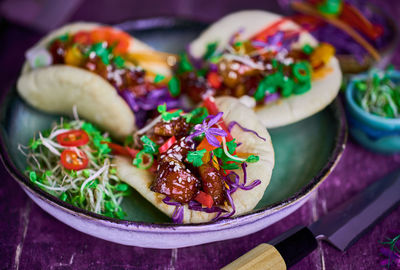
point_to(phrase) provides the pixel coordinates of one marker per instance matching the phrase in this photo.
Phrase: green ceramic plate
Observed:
(305, 151)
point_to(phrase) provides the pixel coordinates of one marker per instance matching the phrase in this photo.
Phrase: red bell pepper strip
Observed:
(307, 22)
(269, 30)
(113, 37)
(163, 148)
(82, 37)
(205, 199)
(352, 16)
(204, 144)
(214, 80)
(212, 108)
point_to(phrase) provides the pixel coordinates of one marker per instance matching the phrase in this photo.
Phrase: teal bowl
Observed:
(374, 132)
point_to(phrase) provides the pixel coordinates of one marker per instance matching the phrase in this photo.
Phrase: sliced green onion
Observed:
(143, 160)
(302, 71)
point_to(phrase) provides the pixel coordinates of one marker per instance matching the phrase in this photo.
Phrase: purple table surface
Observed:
(32, 239)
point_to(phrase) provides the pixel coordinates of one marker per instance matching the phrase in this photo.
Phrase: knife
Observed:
(341, 228)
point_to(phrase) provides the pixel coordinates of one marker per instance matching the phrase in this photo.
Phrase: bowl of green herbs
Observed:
(373, 109)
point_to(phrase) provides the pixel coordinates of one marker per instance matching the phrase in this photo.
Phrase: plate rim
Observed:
(340, 143)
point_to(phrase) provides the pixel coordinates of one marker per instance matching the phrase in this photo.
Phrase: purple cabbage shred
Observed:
(233, 123)
(143, 106)
(271, 97)
(234, 185)
(177, 216)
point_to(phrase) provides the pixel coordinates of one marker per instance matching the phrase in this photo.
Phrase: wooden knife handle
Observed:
(264, 256)
(282, 252)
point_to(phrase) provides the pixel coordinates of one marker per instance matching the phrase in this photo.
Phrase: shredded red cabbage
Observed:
(177, 216)
(234, 184)
(233, 123)
(196, 206)
(143, 106)
(233, 38)
(228, 195)
(271, 97)
(213, 67)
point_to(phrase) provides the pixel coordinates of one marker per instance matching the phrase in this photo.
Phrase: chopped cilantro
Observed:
(231, 146)
(162, 108)
(119, 61)
(195, 157)
(64, 37)
(211, 48)
(184, 64)
(149, 146)
(252, 159)
(196, 116)
(102, 51)
(168, 116)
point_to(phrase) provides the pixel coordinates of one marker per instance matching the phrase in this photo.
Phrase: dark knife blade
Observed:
(346, 224)
(341, 227)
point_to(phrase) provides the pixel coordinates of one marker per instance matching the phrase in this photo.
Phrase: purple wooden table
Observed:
(32, 239)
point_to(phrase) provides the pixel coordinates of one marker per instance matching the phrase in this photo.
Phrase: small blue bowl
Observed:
(374, 132)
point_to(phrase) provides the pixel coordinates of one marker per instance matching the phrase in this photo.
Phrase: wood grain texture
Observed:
(262, 257)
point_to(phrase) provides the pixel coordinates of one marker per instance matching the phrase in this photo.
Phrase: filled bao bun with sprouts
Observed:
(214, 162)
(110, 76)
(267, 61)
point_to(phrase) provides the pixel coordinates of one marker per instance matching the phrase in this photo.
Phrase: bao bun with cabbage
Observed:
(267, 61)
(213, 162)
(102, 70)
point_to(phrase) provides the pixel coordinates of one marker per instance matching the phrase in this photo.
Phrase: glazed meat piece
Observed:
(175, 181)
(213, 183)
(57, 50)
(176, 127)
(159, 140)
(194, 86)
(179, 149)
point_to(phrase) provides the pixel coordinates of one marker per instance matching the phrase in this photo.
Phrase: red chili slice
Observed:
(73, 138)
(167, 144)
(205, 199)
(72, 161)
(122, 150)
